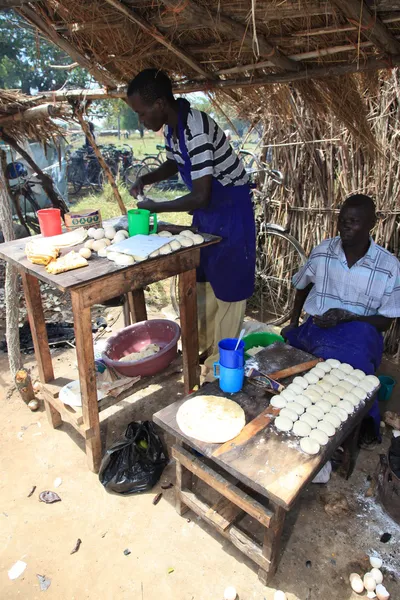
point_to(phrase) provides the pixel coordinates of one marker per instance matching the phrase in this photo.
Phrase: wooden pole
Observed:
(36, 112)
(99, 156)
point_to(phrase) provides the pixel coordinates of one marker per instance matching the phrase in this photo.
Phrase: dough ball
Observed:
(367, 385)
(326, 427)
(339, 390)
(309, 419)
(334, 419)
(319, 436)
(326, 367)
(185, 242)
(119, 237)
(295, 388)
(347, 385)
(98, 233)
(175, 245)
(298, 408)
(325, 385)
(312, 395)
(359, 392)
(342, 414)
(88, 244)
(350, 397)
(333, 363)
(102, 252)
(304, 401)
(187, 233)
(309, 445)
(198, 239)
(110, 233)
(324, 405)
(288, 395)
(331, 379)
(123, 232)
(315, 412)
(301, 428)
(375, 562)
(338, 373)
(165, 234)
(85, 252)
(283, 423)
(279, 595)
(278, 402)
(316, 388)
(301, 382)
(332, 398)
(311, 378)
(369, 582)
(91, 231)
(98, 244)
(290, 414)
(165, 249)
(352, 379)
(347, 406)
(346, 368)
(377, 575)
(318, 372)
(124, 260)
(358, 373)
(154, 254)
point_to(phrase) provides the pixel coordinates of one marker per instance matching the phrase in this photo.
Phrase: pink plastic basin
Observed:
(135, 338)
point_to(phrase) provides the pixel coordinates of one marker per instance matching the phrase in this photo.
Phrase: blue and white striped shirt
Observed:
(370, 287)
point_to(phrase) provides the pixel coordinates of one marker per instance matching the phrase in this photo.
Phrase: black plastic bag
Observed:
(134, 464)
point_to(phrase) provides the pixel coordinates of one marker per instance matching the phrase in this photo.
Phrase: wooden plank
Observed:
(283, 373)
(222, 486)
(272, 545)
(183, 482)
(87, 379)
(224, 512)
(189, 327)
(137, 305)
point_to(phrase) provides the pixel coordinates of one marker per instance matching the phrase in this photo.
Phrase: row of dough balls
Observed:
(314, 406)
(185, 239)
(100, 239)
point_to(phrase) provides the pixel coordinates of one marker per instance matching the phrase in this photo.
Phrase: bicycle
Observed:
(278, 257)
(83, 169)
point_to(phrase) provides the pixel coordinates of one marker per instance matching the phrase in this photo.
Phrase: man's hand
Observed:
(333, 317)
(137, 188)
(288, 328)
(148, 204)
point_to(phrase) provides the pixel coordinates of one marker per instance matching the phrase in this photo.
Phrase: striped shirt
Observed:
(370, 287)
(209, 151)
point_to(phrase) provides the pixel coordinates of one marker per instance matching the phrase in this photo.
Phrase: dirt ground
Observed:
(319, 552)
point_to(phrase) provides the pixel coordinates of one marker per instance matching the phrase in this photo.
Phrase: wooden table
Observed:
(101, 281)
(261, 460)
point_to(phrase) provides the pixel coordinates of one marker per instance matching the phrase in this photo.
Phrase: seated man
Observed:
(351, 288)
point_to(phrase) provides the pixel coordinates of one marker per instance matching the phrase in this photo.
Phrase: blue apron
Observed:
(230, 265)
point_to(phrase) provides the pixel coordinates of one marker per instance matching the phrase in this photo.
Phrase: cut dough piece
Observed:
(324, 405)
(301, 428)
(332, 398)
(102, 252)
(359, 392)
(290, 414)
(198, 239)
(165, 249)
(333, 362)
(123, 260)
(98, 244)
(367, 385)
(283, 423)
(338, 373)
(110, 233)
(332, 379)
(175, 245)
(295, 388)
(358, 373)
(325, 385)
(288, 395)
(342, 414)
(298, 408)
(278, 402)
(318, 372)
(184, 241)
(346, 368)
(354, 380)
(316, 412)
(339, 390)
(309, 419)
(347, 406)
(316, 388)
(211, 419)
(304, 401)
(373, 379)
(311, 378)
(309, 445)
(312, 395)
(165, 234)
(347, 385)
(326, 367)
(187, 233)
(326, 427)
(350, 397)
(300, 381)
(334, 419)
(320, 436)
(154, 254)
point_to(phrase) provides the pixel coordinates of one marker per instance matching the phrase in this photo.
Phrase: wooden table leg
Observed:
(184, 479)
(190, 334)
(87, 378)
(350, 452)
(137, 306)
(40, 341)
(272, 544)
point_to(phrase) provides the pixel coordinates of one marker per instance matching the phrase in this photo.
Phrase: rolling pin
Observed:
(294, 370)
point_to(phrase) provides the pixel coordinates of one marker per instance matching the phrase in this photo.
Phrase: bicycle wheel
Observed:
(30, 208)
(75, 178)
(278, 257)
(131, 174)
(152, 161)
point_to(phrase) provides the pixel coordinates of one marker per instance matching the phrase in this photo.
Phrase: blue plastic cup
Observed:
(386, 389)
(230, 380)
(228, 356)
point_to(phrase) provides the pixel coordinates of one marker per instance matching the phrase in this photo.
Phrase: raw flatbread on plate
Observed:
(211, 419)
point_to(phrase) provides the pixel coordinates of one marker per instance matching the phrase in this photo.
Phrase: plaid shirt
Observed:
(370, 287)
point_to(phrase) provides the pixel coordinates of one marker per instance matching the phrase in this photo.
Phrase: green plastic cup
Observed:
(141, 221)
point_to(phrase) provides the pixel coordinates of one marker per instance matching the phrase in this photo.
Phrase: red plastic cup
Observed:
(49, 221)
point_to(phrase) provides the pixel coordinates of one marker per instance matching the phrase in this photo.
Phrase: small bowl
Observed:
(135, 338)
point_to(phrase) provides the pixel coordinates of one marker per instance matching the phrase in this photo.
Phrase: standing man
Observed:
(219, 199)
